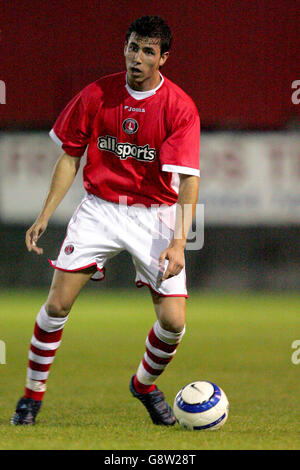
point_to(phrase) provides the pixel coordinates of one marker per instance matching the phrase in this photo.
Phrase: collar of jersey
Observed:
(141, 95)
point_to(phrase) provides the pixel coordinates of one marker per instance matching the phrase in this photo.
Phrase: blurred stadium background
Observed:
(237, 59)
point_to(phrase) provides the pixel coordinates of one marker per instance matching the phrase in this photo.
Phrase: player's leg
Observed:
(92, 237)
(162, 341)
(170, 311)
(46, 339)
(64, 290)
(150, 237)
(161, 345)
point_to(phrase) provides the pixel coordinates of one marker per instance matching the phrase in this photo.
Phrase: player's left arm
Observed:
(185, 210)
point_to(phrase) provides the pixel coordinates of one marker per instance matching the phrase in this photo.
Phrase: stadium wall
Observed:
(249, 189)
(241, 62)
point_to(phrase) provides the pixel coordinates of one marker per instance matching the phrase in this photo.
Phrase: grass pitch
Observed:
(241, 342)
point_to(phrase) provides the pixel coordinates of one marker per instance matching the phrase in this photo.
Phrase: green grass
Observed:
(241, 342)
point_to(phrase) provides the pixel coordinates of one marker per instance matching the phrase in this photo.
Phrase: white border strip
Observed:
(185, 170)
(55, 138)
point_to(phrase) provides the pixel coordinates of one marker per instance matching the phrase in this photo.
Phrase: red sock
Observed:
(161, 346)
(141, 388)
(44, 344)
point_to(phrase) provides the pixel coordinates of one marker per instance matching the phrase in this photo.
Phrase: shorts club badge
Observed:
(69, 249)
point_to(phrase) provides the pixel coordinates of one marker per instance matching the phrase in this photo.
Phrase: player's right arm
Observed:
(63, 176)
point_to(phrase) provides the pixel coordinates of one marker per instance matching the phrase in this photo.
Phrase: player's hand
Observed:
(175, 254)
(33, 234)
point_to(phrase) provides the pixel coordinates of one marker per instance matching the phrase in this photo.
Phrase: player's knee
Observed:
(173, 327)
(174, 323)
(171, 316)
(57, 309)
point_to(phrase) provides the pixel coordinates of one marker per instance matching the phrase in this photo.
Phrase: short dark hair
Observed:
(152, 27)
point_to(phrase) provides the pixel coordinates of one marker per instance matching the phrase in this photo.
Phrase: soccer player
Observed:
(142, 137)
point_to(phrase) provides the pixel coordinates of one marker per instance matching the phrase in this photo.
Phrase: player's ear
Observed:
(163, 58)
(125, 47)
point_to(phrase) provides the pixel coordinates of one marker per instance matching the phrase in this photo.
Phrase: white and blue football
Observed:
(201, 405)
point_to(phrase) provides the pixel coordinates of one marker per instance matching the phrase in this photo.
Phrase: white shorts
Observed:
(99, 230)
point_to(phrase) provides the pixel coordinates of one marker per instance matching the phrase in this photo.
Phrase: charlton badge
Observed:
(130, 126)
(69, 249)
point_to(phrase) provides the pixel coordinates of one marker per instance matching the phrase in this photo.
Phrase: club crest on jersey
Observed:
(130, 126)
(69, 249)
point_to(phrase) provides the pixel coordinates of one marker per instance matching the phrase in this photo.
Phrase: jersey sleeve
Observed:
(72, 128)
(180, 152)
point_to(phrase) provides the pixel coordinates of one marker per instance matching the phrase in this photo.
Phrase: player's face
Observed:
(143, 60)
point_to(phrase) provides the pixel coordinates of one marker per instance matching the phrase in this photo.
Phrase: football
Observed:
(201, 405)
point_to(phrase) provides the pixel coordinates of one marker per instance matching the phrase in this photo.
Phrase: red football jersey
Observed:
(137, 142)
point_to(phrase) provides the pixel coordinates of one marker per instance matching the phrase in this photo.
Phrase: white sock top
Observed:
(168, 337)
(48, 323)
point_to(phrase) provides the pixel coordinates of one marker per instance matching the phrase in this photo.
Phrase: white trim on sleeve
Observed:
(55, 138)
(185, 170)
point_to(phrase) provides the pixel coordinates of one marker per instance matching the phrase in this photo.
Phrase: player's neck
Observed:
(147, 85)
